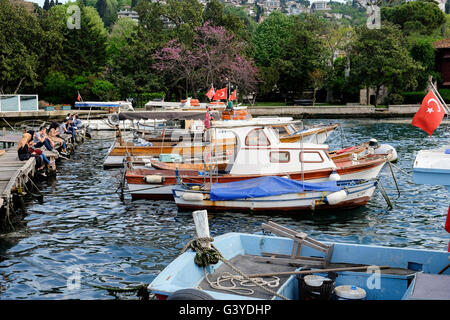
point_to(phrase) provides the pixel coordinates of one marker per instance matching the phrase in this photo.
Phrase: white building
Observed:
(128, 14)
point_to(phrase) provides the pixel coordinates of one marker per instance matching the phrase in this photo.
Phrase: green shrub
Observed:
(394, 98)
(416, 97)
(413, 97)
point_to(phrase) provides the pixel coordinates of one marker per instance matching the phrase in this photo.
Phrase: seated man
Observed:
(41, 139)
(67, 128)
(77, 122)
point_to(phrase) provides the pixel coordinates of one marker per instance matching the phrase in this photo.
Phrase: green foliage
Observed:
(123, 31)
(423, 52)
(20, 52)
(379, 57)
(270, 37)
(415, 17)
(104, 90)
(413, 97)
(107, 10)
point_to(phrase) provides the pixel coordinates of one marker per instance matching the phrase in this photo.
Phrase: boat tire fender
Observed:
(190, 294)
(154, 179)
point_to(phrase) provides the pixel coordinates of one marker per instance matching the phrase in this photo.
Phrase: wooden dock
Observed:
(16, 175)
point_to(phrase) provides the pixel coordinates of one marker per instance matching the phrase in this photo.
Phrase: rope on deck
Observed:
(206, 256)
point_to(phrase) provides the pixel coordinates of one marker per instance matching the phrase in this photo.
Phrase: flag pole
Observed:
(444, 105)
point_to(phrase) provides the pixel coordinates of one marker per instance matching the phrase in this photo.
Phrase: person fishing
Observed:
(41, 139)
(25, 151)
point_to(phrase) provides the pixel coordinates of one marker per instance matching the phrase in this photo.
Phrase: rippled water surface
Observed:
(84, 229)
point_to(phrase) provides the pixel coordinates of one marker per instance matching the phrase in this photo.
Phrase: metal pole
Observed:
(444, 105)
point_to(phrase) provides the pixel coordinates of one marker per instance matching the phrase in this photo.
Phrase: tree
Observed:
(270, 37)
(107, 10)
(303, 53)
(84, 50)
(46, 5)
(379, 57)
(233, 20)
(215, 57)
(419, 16)
(122, 32)
(19, 48)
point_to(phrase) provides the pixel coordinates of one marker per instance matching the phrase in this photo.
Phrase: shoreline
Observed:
(334, 112)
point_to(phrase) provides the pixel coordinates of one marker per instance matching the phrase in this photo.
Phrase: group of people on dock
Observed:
(51, 138)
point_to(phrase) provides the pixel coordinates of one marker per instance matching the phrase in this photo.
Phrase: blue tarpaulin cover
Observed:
(264, 187)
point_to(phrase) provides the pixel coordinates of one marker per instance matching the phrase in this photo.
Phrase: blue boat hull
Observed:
(183, 273)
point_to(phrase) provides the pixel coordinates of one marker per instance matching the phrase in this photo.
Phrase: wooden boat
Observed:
(298, 267)
(262, 154)
(367, 148)
(220, 166)
(161, 188)
(274, 195)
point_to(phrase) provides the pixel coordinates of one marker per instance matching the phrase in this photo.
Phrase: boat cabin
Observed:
(259, 151)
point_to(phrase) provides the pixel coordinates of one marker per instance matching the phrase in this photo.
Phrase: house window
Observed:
(257, 137)
(310, 156)
(280, 156)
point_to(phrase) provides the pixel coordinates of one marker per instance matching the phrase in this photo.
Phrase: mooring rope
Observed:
(206, 256)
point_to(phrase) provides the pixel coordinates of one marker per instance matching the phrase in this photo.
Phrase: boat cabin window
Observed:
(310, 156)
(281, 129)
(257, 137)
(279, 156)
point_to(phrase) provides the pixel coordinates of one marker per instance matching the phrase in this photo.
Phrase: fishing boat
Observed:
(259, 152)
(282, 263)
(274, 194)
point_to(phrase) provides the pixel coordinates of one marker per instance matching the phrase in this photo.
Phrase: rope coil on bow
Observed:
(206, 256)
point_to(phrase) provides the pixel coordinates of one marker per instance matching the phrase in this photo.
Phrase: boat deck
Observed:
(248, 265)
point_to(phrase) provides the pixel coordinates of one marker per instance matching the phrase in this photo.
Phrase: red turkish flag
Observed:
(430, 114)
(233, 96)
(221, 94)
(78, 97)
(210, 93)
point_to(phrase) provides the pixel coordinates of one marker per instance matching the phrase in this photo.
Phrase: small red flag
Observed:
(78, 97)
(233, 96)
(221, 94)
(210, 93)
(430, 114)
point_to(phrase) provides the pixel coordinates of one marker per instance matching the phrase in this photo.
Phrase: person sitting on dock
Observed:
(25, 152)
(53, 135)
(77, 124)
(41, 139)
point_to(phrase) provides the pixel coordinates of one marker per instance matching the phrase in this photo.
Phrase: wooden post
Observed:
(201, 224)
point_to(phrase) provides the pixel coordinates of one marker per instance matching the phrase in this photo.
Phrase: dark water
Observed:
(84, 229)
